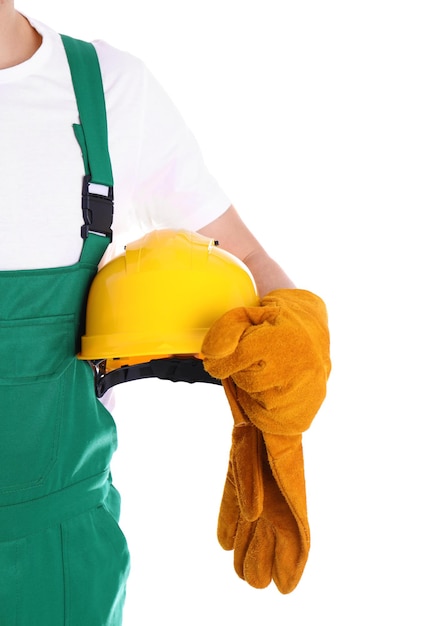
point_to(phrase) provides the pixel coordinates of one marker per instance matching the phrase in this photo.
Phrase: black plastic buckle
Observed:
(97, 210)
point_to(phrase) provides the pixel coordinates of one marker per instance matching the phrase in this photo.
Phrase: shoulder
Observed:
(119, 67)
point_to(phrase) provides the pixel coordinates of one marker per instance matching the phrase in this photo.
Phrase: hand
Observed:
(274, 363)
(278, 356)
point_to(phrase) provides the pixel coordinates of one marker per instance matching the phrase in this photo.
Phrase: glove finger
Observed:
(243, 537)
(291, 543)
(290, 558)
(285, 506)
(291, 550)
(222, 348)
(285, 459)
(259, 556)
(232, 396)
(229, 514)
(246, 457)
(224, 335)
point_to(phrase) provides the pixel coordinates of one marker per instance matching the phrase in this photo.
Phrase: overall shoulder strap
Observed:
(89, 92)
(91, 133)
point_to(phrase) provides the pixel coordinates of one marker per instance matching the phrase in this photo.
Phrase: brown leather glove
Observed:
(274, 362)
(278, 356)
(269, 536)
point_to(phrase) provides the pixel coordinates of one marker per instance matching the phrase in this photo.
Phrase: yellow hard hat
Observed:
(160, 297)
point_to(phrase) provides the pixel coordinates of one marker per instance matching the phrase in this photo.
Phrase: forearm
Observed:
(267, 273)
(234, 236)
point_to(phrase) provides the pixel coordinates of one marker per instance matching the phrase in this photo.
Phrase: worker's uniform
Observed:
(63, 558)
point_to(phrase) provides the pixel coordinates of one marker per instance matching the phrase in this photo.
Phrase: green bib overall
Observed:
(63, 558)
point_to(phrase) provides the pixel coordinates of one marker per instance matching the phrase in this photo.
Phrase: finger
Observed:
(222, 349)
(243, 537)
(285, 507)
(259, 557)
(228, 515)
(224, 335)
(246, 456)
(291, 554)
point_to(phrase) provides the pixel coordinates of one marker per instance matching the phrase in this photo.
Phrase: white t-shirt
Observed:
(160, 179)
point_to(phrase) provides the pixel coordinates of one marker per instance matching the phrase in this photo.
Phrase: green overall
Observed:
(63, 559)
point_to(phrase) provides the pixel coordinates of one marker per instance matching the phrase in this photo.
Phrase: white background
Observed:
(317, 119)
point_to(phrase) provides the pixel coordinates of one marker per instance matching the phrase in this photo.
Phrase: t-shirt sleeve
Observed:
(178, 190)
(171, 186)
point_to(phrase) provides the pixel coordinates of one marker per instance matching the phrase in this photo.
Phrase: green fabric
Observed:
(82, 561)
(79, 135)
(63, 558)
(87, 81)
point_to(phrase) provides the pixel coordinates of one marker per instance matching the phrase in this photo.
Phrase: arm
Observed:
(234, 236)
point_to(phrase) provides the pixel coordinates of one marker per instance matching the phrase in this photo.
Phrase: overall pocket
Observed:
(34, 353)
(97, 564)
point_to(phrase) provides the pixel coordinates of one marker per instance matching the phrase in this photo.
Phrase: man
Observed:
(63, 558)
(19, 41)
